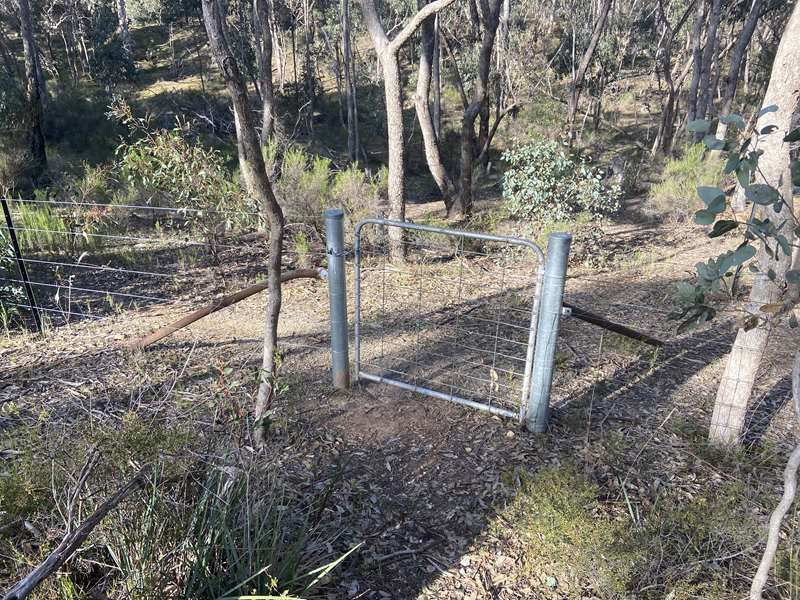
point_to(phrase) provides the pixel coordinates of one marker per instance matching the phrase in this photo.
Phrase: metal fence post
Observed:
(337, 292)
(550, 308)
(23, 272)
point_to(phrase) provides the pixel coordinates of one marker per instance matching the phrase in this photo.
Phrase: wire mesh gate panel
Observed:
(456, 320)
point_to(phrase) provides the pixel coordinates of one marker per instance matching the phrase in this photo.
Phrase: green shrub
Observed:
(358, 194)
(545, 183)
(303, 185)
(675, 195)
(306, 185)
(167, 166)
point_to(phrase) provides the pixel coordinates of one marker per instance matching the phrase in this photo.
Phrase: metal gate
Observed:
(457, 319)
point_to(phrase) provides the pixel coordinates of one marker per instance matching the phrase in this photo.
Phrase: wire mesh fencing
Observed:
(144, 264)
(604, 372)
(456, 319)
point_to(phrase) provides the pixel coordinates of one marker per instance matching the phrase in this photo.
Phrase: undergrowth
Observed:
(675, 195)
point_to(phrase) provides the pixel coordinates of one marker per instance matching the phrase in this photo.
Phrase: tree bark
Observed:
(351, 101)
(436, 77)
(704, 99)
(250, 154)
(262, 26)
(727, 420)
(308, 66)
(426, 122)
(697, 58)
(122, 17)
(469, 144)
(576, 85)
(666, 128)
(218, 305)
(387, 51)
(731, 80)
(34, 94)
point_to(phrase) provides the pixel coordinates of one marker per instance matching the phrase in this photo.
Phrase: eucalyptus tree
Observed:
(34, 92)
(763, 170)
(731, 80)
(579, 74)
(426, 119)
(262, 30)
(250, 155)
(387, 50)
(349, 75)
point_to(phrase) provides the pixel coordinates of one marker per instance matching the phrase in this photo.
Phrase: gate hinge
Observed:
(566, 311)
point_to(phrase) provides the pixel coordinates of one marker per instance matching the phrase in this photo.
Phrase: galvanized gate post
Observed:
(337, 292)
(547, 331)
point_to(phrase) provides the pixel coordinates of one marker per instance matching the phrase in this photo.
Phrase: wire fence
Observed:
(455, 317)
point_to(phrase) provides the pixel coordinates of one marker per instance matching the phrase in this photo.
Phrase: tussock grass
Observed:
(675, 195)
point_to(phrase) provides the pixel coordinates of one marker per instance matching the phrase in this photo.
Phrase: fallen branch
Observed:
(73, 540)
(585, 315)
(789, 492)
(223, 302)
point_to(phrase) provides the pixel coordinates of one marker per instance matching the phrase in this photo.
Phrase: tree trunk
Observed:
(576, 85)
(436, 77)
(426, 123)
(262, 26)
(34, 94)
(478, 104)
(394, 126)
(697, 57)
(122, 16)
(666, 129)
(308, 67)
(738, 379)
(731, 80)
(250, 154)
(387, 52)
(353, 143)
(704, 100)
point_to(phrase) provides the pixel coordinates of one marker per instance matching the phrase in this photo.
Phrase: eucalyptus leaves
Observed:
(769, 230)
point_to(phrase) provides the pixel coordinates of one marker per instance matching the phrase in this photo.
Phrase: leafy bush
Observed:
(545, 183)
(303, 186)
(676, 193)
(359, 194)
(168, 167)
(306, 185)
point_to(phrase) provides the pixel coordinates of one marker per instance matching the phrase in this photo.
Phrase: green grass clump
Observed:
(24, 488)
(675, 195)
(570, 543)
(685, 536)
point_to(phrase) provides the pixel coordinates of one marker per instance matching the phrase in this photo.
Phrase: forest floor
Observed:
(620, 496)
(621, 493)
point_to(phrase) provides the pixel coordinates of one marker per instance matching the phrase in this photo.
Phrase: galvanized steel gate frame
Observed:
(546, 311)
